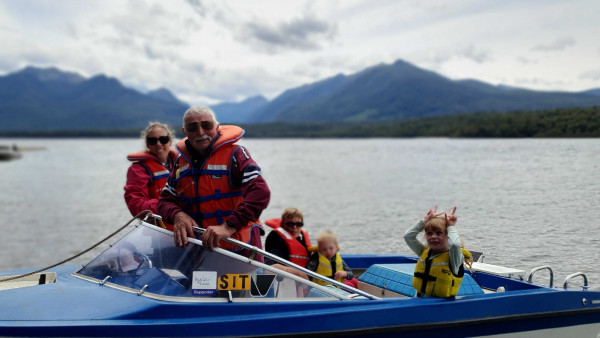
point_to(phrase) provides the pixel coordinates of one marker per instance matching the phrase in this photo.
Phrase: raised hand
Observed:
(450, 217)
(432, 213)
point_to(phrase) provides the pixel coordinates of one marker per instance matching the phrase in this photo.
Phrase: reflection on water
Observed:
(523, 202)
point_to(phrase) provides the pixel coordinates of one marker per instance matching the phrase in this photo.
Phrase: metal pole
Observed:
(293, 265)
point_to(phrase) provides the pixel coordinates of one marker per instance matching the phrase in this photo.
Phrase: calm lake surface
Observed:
(522, 202)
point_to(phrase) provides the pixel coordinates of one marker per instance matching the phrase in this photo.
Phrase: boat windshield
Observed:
(147, 261)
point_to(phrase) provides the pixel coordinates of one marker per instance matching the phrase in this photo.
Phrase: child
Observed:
(328, 262)
(439, 270)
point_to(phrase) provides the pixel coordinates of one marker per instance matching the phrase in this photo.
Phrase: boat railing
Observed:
(544, 267)
(250, 261)
(477, 256)
(295, 266)
(576, 274)
(154, 219)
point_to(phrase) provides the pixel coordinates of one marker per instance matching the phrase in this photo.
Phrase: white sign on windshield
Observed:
(204, 283)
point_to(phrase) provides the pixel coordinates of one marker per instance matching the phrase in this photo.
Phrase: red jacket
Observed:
(146, 178)
(298, 253)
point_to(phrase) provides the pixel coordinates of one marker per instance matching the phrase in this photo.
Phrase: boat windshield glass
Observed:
(146, 258)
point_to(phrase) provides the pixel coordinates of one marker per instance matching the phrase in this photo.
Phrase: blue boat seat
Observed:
(398, 278)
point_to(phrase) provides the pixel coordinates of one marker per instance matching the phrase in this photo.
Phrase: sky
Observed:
(208, 52)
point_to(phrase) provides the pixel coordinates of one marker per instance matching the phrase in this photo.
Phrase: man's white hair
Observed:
(199, 110)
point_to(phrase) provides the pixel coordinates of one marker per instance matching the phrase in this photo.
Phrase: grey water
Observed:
(522, 202)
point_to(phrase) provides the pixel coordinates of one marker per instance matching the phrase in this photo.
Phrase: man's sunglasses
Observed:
(193, 126)
(152, 140)
(293, 224)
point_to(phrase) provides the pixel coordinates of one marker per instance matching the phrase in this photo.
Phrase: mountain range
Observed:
(42, 99)
(401, 90)
(50, 99)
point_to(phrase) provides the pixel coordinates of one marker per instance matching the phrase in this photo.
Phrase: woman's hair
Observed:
(327, 236)
(291, 213)
(439, 223)
(151, 126)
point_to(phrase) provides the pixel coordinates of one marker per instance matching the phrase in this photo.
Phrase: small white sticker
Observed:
(204, 283)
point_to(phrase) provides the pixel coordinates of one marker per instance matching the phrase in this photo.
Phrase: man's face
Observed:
(200, 129)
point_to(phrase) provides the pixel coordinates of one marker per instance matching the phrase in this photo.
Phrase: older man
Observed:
(215, 184)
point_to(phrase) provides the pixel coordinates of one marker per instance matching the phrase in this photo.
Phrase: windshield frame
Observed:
(331, 293)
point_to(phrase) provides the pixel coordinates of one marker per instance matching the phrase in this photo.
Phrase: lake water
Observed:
(523, 202)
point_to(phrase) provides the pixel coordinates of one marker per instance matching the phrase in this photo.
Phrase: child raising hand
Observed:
(439, 270)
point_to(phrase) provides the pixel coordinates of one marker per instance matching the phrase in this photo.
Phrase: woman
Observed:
(148, 174)
(289, 241)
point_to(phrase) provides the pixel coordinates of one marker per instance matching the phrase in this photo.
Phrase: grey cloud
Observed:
(300, 33)
(39, 58)
(198, 7)
(526, 82)
(479, 56)
(8, 65)
(591, 75)
(526, 61)
(219, 12)
(70, 30)
(319, 68)
(229, 85)
(466, 52)
(131, 31)
(150, 53)
(559, 44)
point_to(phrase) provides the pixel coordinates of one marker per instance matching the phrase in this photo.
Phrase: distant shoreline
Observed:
(556, 123)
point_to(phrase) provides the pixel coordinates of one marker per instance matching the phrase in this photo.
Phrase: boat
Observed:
(9, 152)
(140, 284)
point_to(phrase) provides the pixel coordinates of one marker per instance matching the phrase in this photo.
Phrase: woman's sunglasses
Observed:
(152, 140)
(193, 126)
(293, 224)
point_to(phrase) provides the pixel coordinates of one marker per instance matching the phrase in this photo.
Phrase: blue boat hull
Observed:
(142, 285)
(76, 307)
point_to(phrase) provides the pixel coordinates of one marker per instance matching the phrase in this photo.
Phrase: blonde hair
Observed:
(327, 236)
(439, 223)
(152, 125)
(291, 213)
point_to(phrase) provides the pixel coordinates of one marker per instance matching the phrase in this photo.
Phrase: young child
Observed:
(439, 270)
(328, 262)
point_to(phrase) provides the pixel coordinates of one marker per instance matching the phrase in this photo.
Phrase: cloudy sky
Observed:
(207, 52)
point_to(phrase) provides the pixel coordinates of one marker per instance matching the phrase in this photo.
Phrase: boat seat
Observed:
(398, 278)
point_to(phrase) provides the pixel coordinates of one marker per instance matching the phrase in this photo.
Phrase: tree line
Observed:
(567, 122)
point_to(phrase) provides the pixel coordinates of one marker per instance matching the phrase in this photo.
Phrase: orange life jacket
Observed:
(157, 171)
(298, 253)
(207, 194)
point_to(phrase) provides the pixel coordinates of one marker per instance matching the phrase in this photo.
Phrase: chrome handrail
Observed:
(576, 274)
(293, 265)
(534, 270)
(255, 263)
